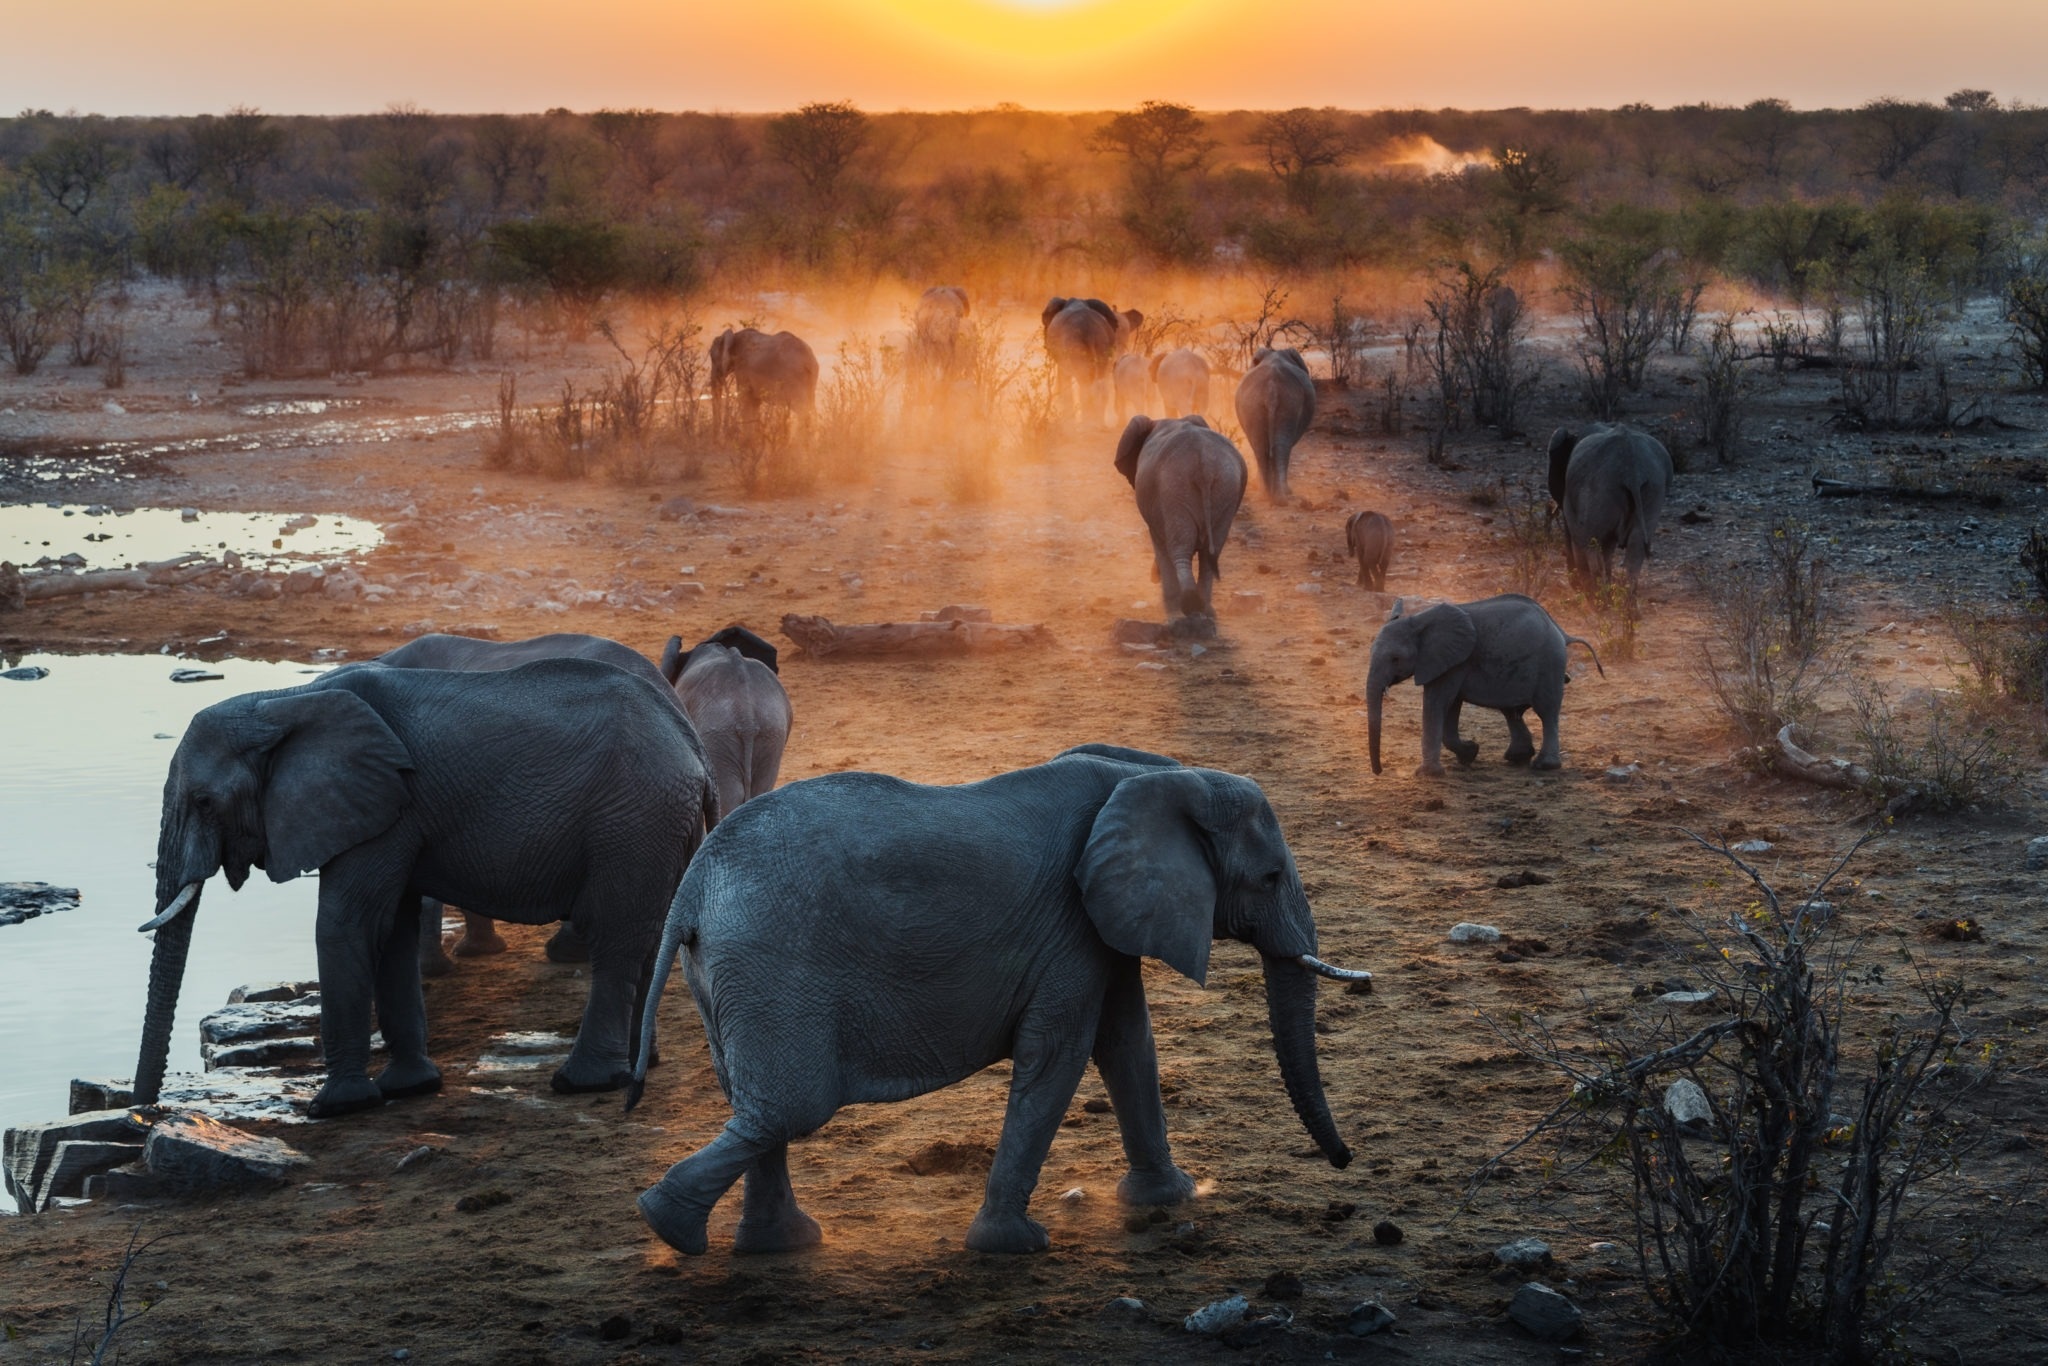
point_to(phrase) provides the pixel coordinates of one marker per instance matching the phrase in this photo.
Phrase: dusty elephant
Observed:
(1189, 482)
(729, 685)
(1369, 536)
(1133, 376)
(1182, 378)
(1083, 336)
(1276, 405)
(1609, 486)
(1066, 874)
(938, 338)
(762, 369)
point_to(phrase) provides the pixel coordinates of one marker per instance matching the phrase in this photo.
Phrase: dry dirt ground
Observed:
(360, 1260)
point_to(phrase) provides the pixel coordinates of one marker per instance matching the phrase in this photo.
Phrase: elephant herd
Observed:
(851, 938)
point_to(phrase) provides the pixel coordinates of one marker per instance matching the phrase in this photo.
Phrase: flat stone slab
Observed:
(75, 1160)
(193, 1153)
(228, 1093)
(1545, 1313)
(259, 992)
(27, 1150)
(21, 901)
(246, 1021)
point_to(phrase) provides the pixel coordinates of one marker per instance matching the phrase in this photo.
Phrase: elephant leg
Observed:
(1521, 746)
(402, 1009)
(677, 1206)
(1433, 706)
(600, 1060)
(480, 937)
(1547, 710)
(434, 960)
(348, 935)
(1466, 750)
(1129, 1066)
(1045, 1071)
(1168, 575)
(568, 945)
(770, 1220)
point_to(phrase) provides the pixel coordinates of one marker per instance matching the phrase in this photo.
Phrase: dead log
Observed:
(36, 587)
(1824, 487)
(1793, 760)
(909, 639)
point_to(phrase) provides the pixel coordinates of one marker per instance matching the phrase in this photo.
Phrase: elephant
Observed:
(1083, 337)
(1182, 376)
(1276, 405)
(471, 655)
(1133, 375)
(1369, 536)
(929, 932)
(1609, 486)
(763, 369)
(1189, 481)
(1503, 652)
(728, 684)
(393, 783)
(937, 330)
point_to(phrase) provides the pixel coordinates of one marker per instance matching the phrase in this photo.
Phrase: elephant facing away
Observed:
(931, 931)
(1609, 485)
(1083, 337)
(1182, 377)
(1189, 481)
(1369, 536)
(938, 334)
(393, 784)
(1502, 652)
(763, 369)
(1133, 387)
(1276, 405)
(728, 684)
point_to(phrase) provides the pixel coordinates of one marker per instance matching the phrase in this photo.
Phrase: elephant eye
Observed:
(202, 800)
(1270, 881)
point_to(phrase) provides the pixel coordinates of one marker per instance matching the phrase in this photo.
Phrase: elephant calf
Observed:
(856, 938)
(729, 685)
(1189, 481)
(1133, 387)
(1182, 378)
(1369, 536)
(1503, 652)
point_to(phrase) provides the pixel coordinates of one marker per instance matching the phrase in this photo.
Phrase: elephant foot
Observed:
(1169, 1187)
(792, 1232)
(440, 965)
(1465, 750)
(337, 1098)
(403, 1079)
(1520, 755)
(474, 945)
(1433, 770)
(676, 1219)
(568, 946)
(567, 1083)
(1006, 1234)
(1547, 762)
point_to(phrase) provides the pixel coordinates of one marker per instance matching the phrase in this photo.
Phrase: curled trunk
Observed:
(1291, 1006)
(166, 975)
(1375, 703)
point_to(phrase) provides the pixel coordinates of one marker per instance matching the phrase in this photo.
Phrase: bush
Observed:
(1619, 279)
(1939, 762)
(1776, 646)
(1723, 399)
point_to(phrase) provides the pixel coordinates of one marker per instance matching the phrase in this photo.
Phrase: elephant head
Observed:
(675, 659)
(1178, 857)
(1280, 353)
(1562, 442)
(278, 781)
(723, 348)
(1424, 647)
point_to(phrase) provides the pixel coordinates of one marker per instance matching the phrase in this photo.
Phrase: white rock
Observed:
(1467, 932)
(1754, 847)
(1523, 1253)
(1686, 1102)
(2037, 852)
(1545, 1312)
(1686, 998)
(1074, 1196)
(1218, 1315)
(1369, 1317)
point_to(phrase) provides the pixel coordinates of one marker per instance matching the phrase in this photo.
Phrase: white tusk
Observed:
(1335, 974)
(172, 911)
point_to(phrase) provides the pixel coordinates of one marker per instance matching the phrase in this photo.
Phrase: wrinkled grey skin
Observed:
(931, 931)
(1133, 387)
(1189, 481)
(1502, 652)
(1083, 337)
(763, 369)
(1609, 486)
(393, 784)
(728, 684)
(467, 654)
(1276, 405)
(1369, 536)
(1182, 376)
(938, 329)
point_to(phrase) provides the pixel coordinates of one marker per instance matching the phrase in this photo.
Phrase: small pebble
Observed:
(1387, 1233)
(1467, 932)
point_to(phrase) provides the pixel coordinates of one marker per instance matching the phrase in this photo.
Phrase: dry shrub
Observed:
(1530, 526)
(1616, 615)
(1776, 647)
(1942, 759)
(1343, 340)
(1722, 395)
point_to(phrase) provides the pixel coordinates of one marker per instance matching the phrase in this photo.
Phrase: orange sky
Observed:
(330, 56)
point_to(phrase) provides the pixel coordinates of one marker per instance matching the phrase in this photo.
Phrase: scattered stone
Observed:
(2037, 852)
(1387, 1233)
(1283, 1285)
(482, 1200)
(1369, 1317)
(616, 1328)
(1312, 589)
(401, 1354)
(261, 992)
(27, 673)
(188, 514)
(1523, 1253)
(1686, 1102)
(1525, 878)
(194, 676)
(1545, 1312)
(194, 1153)
(1125, 1304)
(1337, 1211)
(295, 524)
(1754, 847)
(1095, 1105)
(1074, 1196)
(1217, 1315)
(956, 612)
(1625, 773)
(21, 901)
(675, 509)
(248, 1021)
(78, 1159)
(942, 1158)
(1468, 932)
(88, 1096)
(1686, 998)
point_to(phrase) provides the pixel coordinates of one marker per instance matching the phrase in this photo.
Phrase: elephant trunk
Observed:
(166, 975)
(1291, 1007)
(1375, 706)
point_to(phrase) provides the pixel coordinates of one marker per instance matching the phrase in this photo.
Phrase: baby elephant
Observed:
(1369, 536)
(1503, 652)
(1182, 378)
(1189, 481)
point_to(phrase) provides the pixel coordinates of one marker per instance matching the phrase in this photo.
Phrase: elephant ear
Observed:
(333, 780)
(1144, 874)
(1130, 320)
(1293, 357)
(1128, 446)
(1122, 754)
(1261, 356)
(1351, 532)
(737, 637)
(1051, 311)
(1445, 636)
(1562, 442)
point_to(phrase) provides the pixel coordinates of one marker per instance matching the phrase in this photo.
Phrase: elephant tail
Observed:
(1570, 641)
(678, 929)
(672, 659)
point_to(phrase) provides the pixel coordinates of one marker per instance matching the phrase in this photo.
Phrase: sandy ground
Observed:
(360, 1260)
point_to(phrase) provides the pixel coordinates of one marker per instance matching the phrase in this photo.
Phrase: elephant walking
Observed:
(394, 784)
(927, 932)
(1082, 337)
(762, 369)
(1133, 378)
(1189, 481)
(1276, 405)
(1609, 486)
(938, 338)
(1369, 536)
(1502, 652)
(1182, 378)
(729, 685)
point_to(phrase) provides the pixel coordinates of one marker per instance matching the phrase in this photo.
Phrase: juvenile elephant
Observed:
(1133, 387)
(937, 337)
(1276, 405)
(931, 931)
(1182, 377)
(1369, 536)
(1609, 486)
(763, 369)
(1502, 652)
(1189, 481)
(393, 783)
(1083, 336)
(728, 684)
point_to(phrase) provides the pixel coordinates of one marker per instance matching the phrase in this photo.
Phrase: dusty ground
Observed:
(361, 1259)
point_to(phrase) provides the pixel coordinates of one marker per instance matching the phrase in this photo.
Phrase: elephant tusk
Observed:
(172, 911)
(1335, 974)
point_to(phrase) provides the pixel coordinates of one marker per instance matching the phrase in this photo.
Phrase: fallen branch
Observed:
(909, 639)
(1824, 487)
(1793, 760)
(150, 574)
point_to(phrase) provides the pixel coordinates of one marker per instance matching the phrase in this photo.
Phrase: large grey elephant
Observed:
(928, 932)
(1276, 405)
(1369, 536)
(468, 654)
(728, 684)
(560, 789)
(1502, 652)
(1609, 486)
(1189, 481)
(763, 369)
(1083, 336)
(1182, 377)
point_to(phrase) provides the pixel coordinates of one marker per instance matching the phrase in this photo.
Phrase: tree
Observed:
(76, 164)
(820, 142)
(1532, 179)
(510, 153)
(1162, 142)
(634, 135)
(1895, 132)
(1763, 131)
(233, 149)
(1300, 145)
